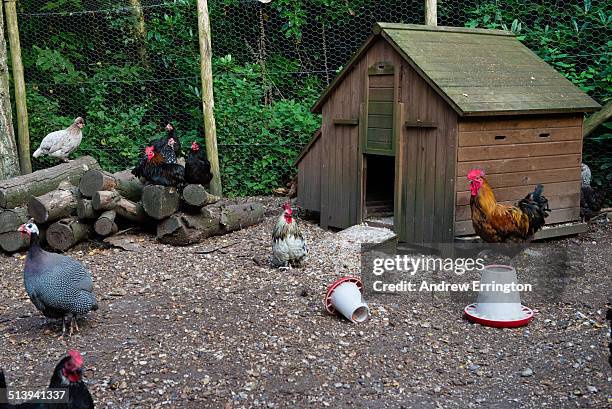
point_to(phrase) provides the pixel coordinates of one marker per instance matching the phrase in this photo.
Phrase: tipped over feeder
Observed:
(346, 297)
(495, 307)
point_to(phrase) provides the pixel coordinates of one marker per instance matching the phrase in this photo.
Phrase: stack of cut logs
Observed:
(74, 201)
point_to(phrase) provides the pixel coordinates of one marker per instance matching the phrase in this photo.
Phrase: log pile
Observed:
(75, 201)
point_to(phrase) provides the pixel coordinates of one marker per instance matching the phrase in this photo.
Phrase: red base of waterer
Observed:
(327, 300)
(469, 313)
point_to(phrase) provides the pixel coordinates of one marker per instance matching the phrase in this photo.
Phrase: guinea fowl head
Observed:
(79, 122)
(29, 228)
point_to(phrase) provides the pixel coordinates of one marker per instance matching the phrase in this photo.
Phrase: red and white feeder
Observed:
(495, 307)
(346, 296)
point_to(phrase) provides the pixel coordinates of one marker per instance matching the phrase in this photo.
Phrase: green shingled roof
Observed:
(478, 71)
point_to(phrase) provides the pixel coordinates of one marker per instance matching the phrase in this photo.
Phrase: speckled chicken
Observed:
(58, 285)
(288, 244)
(170, 146)
(60, 144)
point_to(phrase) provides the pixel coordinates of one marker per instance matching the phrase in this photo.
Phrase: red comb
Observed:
(76, 357)
(474, 173)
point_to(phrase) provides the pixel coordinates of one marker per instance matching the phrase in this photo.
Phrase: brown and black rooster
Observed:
(155, 170)
(500, 223)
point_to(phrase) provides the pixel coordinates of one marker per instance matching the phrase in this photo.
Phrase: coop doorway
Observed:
(379, 189)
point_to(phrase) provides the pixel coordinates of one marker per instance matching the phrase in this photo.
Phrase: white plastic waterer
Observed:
(345, 296)
(497, 308)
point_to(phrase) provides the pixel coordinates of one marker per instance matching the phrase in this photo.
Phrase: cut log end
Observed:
(65, 233)
(160, 201)
(94, 180)
(105, 225)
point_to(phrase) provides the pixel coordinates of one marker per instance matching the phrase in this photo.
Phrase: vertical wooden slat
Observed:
(398, 219)
(23, 134)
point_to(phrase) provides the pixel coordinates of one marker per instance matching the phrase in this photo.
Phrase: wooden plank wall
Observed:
(340, 182)
(309, 179)
(518, 153)
(428, 164)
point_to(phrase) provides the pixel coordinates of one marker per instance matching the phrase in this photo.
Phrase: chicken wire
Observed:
(130, 67)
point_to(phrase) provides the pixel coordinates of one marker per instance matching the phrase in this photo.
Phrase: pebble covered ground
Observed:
(179, 329)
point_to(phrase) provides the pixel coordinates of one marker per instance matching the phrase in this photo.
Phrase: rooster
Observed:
(288, 244)
(499, 223)
(60, 144)
(197, 167)
(68, 374)
(155, 170)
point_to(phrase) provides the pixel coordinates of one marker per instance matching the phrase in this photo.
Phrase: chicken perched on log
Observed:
(169, 146)
(68, 374)
(155, 170)
(288, 244)
(197, 166)
(60, 144)
(58, 286)
(500, 223)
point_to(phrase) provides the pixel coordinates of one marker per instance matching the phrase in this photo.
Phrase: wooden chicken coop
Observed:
(418, 106)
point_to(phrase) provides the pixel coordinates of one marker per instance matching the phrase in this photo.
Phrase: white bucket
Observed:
(495, 304)
(346, 298)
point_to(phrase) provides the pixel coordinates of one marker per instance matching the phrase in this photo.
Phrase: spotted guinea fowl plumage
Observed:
(58, 285)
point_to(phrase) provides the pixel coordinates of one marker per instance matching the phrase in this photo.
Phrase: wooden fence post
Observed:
(23, 134)
(9, 159)
(208, 103)
(431, 12)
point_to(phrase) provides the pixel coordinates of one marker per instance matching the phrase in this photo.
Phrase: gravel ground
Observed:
(184, 330)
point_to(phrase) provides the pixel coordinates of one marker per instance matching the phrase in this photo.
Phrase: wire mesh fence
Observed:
(129, 67)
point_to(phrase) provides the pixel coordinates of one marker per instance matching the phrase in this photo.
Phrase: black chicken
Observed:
(155, 170)
(68, 374)
(170, 146)
(197, 167)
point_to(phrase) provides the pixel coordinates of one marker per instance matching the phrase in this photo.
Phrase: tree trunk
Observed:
(197, 196)
(160, 201)
(23, 134)
(54, 205)
(141, 32)
(105, 225)
(9, 158)
(10, 220)
(65, 233)
(85, 209)
(131, 211)
(182, 229)
(105, 200)
(17, 191)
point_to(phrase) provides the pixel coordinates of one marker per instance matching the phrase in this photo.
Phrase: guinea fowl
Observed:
(68, 374)
(197, 167)
(58, 286)
(60, 144)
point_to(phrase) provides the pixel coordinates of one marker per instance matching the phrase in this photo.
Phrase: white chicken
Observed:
(288, 244)
(60, 144)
